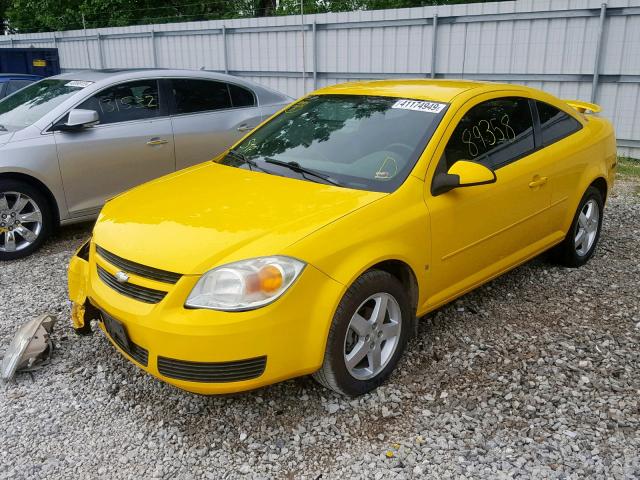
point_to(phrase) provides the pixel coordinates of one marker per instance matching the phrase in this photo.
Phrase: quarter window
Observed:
(494, 133)
(193, 96)
(241, 97)
(125, 102)
(555, 124)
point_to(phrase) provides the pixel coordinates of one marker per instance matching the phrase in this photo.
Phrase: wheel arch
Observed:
(51, 199)
(404, 273)
(601, 184)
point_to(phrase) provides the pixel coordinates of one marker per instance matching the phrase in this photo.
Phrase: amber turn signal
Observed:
(270, 278)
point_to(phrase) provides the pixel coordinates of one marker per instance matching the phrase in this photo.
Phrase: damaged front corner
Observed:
(78, 278)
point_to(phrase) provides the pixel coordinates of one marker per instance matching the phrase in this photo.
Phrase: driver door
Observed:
(132, 144)
(479, 231)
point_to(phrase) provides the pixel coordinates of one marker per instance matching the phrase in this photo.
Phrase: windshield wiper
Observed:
(243, 158)
(296, 167)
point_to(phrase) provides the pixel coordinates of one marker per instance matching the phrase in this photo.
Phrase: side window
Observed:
(125, 102)
(241, 97)
(192, 96)
(494, 133)
(15, 85)
(555, 124)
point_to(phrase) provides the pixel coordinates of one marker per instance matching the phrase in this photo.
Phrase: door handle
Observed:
(537, 181)
(244, 128)
(157, 141)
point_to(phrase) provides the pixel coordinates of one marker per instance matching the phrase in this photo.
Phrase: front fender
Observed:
(36, 158)
(395, 227)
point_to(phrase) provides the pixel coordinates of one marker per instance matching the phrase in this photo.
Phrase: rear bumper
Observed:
(289, 335)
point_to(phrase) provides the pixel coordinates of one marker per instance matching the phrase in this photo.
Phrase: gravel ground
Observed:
(536, 374)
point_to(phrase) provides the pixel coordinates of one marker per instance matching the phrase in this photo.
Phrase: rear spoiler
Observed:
(582, 107)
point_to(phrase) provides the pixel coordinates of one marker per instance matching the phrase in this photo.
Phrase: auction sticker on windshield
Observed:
(78, 84)
(419, 106)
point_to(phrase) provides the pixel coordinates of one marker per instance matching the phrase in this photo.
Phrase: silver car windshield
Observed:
(28, 105)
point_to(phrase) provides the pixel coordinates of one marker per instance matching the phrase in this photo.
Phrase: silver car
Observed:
(70, 142)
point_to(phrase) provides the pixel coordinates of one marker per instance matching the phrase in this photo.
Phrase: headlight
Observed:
(245, 285)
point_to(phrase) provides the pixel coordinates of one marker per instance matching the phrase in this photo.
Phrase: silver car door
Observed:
(208, 116)
(133, 143)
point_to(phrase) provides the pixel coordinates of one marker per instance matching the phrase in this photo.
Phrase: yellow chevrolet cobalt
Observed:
(314, 243)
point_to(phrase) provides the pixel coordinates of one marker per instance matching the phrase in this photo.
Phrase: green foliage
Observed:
(55, 15)
(629, 166)
(292, 7)
(4, 4)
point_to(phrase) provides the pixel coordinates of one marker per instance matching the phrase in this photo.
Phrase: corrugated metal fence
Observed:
(572, 48)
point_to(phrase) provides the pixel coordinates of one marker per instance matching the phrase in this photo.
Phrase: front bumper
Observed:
(289, 334)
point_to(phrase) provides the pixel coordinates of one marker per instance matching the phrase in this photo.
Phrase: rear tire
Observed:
(26, 219)
(368, 335)
(581, 240)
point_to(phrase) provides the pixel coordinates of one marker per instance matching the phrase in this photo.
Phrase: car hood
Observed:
(212, 214)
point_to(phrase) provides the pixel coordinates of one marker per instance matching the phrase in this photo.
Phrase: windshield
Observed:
(355, 141)
(28, 105)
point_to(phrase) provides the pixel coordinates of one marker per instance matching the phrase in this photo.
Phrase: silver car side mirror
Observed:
(79, 118)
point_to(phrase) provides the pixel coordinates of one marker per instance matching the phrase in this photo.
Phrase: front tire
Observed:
(581, 240)
(25, 219)
(368, 334)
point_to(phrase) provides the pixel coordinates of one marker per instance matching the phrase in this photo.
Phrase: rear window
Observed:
(193, 96)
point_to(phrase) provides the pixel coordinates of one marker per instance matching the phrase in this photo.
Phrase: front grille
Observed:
(142, 294)
(138, 269)
(219, 372)
(135, 351)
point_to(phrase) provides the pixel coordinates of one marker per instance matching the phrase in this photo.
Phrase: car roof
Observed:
(101, 79)
(125, 74)
(107, 77)
(420, 89)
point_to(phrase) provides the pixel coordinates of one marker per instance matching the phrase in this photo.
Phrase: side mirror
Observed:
(79, 119)
(463, 173)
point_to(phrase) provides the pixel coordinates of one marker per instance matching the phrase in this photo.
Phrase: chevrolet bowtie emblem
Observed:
(122, 277)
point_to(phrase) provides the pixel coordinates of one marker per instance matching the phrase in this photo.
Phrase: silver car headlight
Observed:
(245, 285)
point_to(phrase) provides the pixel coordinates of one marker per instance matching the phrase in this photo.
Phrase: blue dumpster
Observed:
(43, 62)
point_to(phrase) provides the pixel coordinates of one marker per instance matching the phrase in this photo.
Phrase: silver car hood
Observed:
(5, 137)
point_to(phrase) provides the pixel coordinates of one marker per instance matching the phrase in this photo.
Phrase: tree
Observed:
(48, 15)
(292, 7)
(4, 4)
(51, 15)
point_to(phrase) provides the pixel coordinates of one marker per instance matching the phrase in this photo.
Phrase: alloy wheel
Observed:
(373, 336)
(587, 227)
(20, 221)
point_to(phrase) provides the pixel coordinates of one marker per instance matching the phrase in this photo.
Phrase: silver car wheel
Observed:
(373, 336)
(20, 221)
(587, 227)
